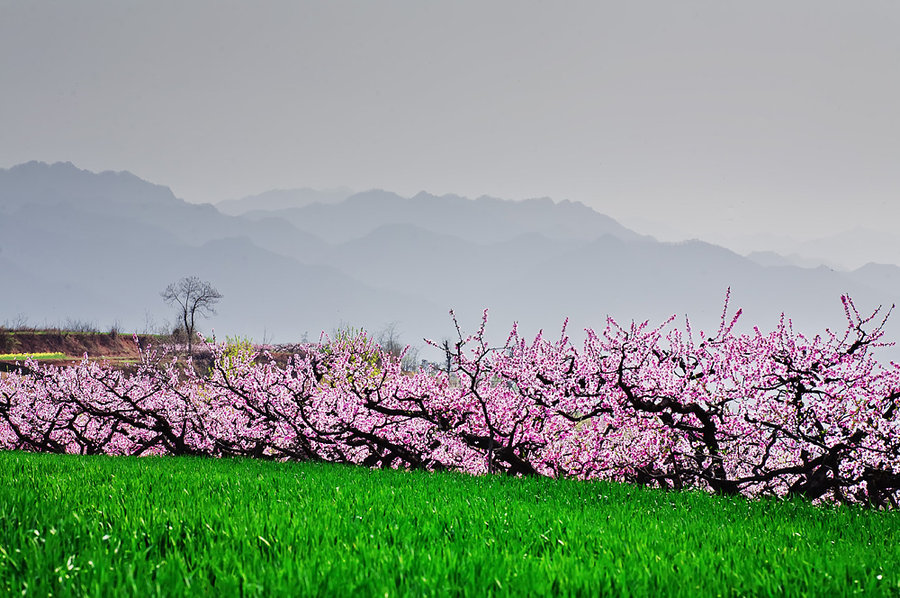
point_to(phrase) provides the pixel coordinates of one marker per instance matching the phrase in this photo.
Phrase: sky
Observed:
(709, 119)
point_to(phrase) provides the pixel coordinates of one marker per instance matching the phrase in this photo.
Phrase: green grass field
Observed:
(183, 526)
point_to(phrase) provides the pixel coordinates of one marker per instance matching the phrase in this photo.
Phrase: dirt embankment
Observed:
(118, 350)
(74, 345)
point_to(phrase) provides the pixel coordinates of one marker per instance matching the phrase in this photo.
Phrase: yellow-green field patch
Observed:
(37, 356)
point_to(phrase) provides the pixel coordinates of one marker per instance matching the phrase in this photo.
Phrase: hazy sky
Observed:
(720, 118)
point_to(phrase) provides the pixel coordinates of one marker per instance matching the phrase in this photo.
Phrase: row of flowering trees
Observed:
(754, 414)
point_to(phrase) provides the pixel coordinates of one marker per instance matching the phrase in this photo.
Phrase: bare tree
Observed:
(389, 339)
(194, 297)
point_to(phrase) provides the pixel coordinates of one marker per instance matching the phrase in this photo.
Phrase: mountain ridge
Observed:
(376, 257)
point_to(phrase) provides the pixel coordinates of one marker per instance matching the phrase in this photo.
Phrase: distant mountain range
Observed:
(101, 246)
(847, 250)
(481, 221)
(282, 199)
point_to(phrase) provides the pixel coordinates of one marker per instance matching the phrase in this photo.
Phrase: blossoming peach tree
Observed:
(755, 414)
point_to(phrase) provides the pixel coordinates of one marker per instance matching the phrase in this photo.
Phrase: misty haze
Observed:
(98, 248)
(319, 178)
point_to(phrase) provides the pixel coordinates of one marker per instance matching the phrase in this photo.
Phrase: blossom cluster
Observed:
(755, 414)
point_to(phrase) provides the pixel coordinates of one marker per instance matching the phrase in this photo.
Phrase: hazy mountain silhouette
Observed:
(854, 248)
(103, 254)
(847, 250)
(282, 199)
(444, 269)
(483, 220)
(883, 277)
(649, 280)
(41, 183)
(121, 196)
(771, 258)
(75, 244)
